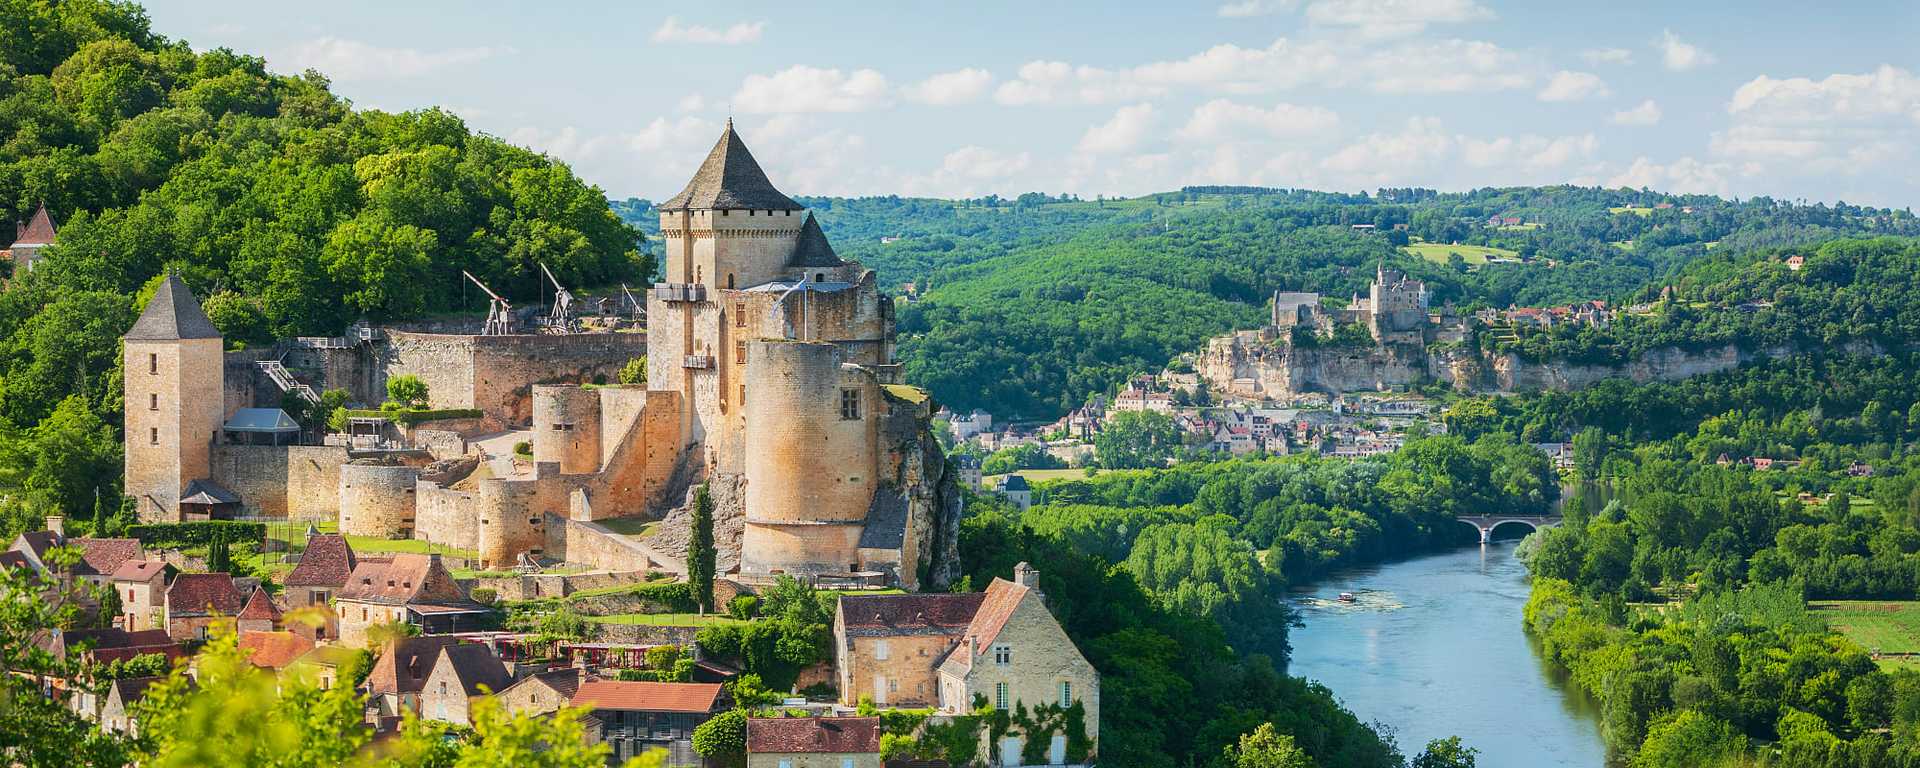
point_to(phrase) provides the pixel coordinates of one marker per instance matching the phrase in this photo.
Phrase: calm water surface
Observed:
(1433, 647)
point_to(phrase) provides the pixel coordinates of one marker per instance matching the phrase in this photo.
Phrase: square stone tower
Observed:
(174, 385)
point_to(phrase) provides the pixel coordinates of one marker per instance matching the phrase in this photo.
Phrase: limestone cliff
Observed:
(1250, 365)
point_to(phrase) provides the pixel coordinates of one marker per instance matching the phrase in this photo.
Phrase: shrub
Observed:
(407, 391)
(194, 534)
(743, 607)
(484, 595)
(635, 371)
(523, 448)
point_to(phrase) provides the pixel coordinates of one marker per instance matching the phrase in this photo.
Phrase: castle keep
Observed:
(770, 376)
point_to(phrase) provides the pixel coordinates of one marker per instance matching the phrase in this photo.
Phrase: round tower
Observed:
(566, 428)
(377, 500)
(810, 459)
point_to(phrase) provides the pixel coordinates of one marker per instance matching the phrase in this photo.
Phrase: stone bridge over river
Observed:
(1486, 523)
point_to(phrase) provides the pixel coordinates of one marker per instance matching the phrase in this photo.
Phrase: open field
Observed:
(629, 526)
(1637, 210)
(369, 544)
(1474, 254)
(1042, 475)
(1880, 626)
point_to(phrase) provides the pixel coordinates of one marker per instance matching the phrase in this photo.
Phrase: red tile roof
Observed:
(260, 607)
(1002, 597)
(327, 562)
(909, 614)
(38, 230)
(139, 570)
(104, 556)
(647, 697)
(273, 650)
(12, 559)
(408, 578)
(201, 594)
(798, 735)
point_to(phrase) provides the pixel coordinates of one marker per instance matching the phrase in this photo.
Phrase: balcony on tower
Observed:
(697, 362)
(693, 292)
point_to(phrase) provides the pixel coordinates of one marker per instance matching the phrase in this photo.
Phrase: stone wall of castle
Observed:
(297, 482)
(377, 500)
(445, 516)
(175, 406)
(729, 249)
(591, 544)
(512, 516)
(496, 374)
(566, 423)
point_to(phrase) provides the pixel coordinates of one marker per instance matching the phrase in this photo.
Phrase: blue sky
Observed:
(1758, 98)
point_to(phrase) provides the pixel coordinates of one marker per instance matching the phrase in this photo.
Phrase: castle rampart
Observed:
(377, 500)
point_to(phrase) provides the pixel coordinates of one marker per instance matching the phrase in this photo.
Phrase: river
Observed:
(1433, 647)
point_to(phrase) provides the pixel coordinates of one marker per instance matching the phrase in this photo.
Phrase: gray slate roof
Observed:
(730, 179)
(886, 521)
(813, 250)
(172, 314)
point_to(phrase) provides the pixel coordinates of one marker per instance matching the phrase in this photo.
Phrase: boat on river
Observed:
(1346, 597)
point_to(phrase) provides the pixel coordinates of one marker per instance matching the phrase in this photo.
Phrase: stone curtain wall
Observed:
(445, 516)
(591, 544)
(496, 373)
(298, 482)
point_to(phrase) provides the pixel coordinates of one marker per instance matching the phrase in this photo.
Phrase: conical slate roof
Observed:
(172, 314)
(813, 250)
(38, 230)
(730, 179)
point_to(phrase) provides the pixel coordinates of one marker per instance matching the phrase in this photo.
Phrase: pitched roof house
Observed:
(401, 670)
(259, 615)
(274, 650)
(196, 601)
(884, 645)
(542, 692)
(640, 716)
(813, 742)
(460, 674)
(410, 588)
(1015, 653)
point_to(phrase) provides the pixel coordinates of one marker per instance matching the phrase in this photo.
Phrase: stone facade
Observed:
(496, 374)
(174, 409)
(1016, 653)
(377, 500)
(297, 482)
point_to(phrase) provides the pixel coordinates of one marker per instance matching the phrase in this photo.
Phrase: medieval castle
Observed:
(770, 377)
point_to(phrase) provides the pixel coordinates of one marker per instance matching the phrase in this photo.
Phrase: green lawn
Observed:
(629, 526)
(414, 546)
(1042, 475)
(666, 619)
(1881, 626)
(1637, 210)
(1474, 254)
(1527, 227)
(1625, 245)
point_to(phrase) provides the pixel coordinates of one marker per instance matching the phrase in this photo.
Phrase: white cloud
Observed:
(956, 87)
(1448, 66)
(672, 31)
(1528, 153)
(1124, 132)
(1844, 123)
(1607, 56)
(1231, 68)
(351, 60)
(1679, 55)
(811, 89)
(1221, 119)
(1382, 156)
(1648, 113)
(1685, 175)
(1043, 82)
(1573, 86)
(1382, 19)
(981, 163)
(1249, 8)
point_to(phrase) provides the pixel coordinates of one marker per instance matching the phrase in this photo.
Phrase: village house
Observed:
(274, 651)
(887, 647)
(968, 466)
(29, 239)
(636, 717)
(968, 425)
(412, 589)
(198, 601)
(813, 742)
(1015, 653)
(116, 707)
(1017, 491)
(541, 692)
(142, 585)
(322, 572)
(400, 672)
(460, 675)
(259, 615)
(324, 664)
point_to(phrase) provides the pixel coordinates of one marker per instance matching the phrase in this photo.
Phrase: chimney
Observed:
(58, 525)
(1027, 576)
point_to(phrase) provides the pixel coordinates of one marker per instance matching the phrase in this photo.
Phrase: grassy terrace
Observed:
(666, 619)
(1890, 628)
(630, 526)
(1473, 254)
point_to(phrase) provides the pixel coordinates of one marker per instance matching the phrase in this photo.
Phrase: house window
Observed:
(443, 687)
(849, 405)
(739, 353)
(153, 362)
(786, 764)
(1066, 693)
(729, 279)
(880, 650)
(1000, 696)
(740, 315)
(1002, 655)
(153, 436)
(846, 762)
(743, 394)
(153, 402)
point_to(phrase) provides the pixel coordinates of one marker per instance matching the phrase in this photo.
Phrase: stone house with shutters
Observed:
(637, 717)
(198, 601)
(1015, 654)
(813, 742)
(323, 571)
(886, 647)
(142, 585)
(116, 707)
(400, 673)
(541, 692)
(259, 615)
(460, 675)
(408, 589)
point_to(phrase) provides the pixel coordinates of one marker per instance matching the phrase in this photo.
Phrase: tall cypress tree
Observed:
(701, 556)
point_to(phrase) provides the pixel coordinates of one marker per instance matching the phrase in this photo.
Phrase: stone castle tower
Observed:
(779, 351)
(174, 388)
